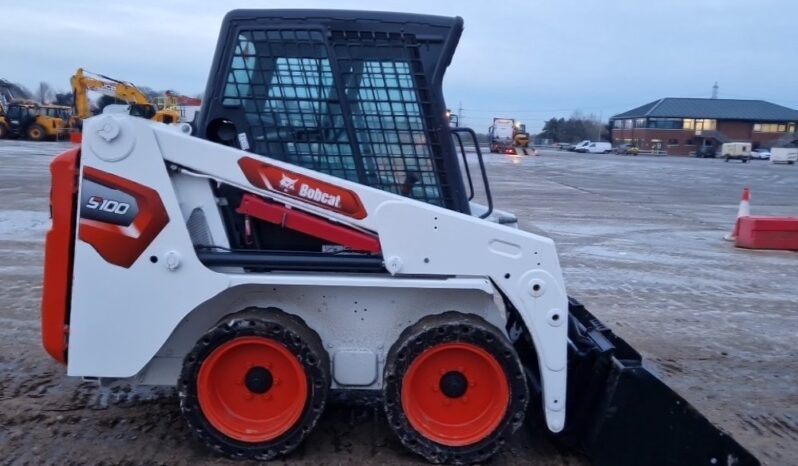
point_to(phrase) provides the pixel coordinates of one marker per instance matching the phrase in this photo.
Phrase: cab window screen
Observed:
(356, 114)
(390, 131)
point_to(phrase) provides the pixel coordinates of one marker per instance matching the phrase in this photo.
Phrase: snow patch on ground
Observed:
(23, 225)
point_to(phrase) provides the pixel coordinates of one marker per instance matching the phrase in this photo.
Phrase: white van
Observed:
(581, 146)
(736, 150)
(596, 148)
(784, 155)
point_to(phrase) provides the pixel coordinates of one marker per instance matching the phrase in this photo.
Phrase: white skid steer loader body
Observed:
(123, 319)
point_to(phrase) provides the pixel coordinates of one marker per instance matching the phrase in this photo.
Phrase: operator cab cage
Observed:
(356, 95)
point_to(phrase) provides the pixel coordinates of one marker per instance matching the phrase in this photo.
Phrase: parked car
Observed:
(596, 148)
(760, 154)
(784, 155)
(564, 146)
(627, 149)
(736, 150)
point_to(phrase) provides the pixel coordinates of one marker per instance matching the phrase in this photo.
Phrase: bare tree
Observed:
(13, 91)
(44, 93)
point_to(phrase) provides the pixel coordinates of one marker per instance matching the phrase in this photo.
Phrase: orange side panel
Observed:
(123, 245)
(58, 253)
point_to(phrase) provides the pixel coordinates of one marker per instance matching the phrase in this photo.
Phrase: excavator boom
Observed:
(82, 82)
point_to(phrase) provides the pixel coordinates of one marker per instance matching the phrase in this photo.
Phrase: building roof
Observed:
(719, 109)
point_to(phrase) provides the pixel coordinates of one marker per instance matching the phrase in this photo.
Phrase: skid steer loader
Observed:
(316, 239)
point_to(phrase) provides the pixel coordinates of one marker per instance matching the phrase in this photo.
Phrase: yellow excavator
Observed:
(139, 105)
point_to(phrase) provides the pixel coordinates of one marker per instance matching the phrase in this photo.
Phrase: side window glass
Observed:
(390, 131)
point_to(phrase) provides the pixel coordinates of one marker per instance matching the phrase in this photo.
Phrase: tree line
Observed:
(577, 127)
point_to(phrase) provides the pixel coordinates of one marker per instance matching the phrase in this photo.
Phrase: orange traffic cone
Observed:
(743, 211)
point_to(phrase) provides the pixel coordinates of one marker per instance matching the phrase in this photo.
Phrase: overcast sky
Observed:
(529, 60)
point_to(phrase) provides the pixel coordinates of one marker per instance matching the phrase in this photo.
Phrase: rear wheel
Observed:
(254, 386)
(454, 388)
(36, 133)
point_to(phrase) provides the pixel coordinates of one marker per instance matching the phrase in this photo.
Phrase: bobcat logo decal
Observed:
(288, 184)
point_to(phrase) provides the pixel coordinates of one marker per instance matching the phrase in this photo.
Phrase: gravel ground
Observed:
(641, 246)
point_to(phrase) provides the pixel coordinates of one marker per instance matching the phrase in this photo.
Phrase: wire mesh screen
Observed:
(353, 109)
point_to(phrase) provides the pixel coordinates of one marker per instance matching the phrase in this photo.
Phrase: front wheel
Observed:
(36, 133)
(254, 386)
(454, 388)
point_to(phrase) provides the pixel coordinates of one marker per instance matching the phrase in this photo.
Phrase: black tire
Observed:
(745, 160)
(453, 327)
(726, 157)
(36, 133)
(274, 325)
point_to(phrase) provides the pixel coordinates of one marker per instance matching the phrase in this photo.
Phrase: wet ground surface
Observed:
(640, 241)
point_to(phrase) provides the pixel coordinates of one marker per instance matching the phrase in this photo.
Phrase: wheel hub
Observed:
(453, 384)
(259, 380)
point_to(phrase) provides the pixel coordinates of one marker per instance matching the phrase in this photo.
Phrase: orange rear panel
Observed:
(58, 253)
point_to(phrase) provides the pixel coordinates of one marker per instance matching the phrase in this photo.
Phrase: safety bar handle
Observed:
(473, 135)
(465, 164)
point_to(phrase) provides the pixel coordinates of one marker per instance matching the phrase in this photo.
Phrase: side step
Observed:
(619, 413)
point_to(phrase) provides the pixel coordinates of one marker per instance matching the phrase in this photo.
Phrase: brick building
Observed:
(682, 126)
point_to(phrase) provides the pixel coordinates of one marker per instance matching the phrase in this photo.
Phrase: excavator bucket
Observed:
(621, 413)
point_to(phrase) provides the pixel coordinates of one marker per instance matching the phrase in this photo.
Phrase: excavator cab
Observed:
(18, 117)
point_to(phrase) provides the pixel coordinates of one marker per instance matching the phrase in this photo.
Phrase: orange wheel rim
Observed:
(252, 389)
(455, 394)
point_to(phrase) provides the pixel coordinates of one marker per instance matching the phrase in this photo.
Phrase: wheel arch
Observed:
(301, 301)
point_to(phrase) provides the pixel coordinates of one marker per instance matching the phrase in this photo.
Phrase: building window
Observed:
(705, 125)
(628, 124)
(617, 124)
(700, 124)
(791, 128)
(640, 123)
(673, 142)
(688, 142)
(665, 123)
(773, 127)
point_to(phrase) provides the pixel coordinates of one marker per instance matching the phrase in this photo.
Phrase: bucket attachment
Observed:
(620, 413)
